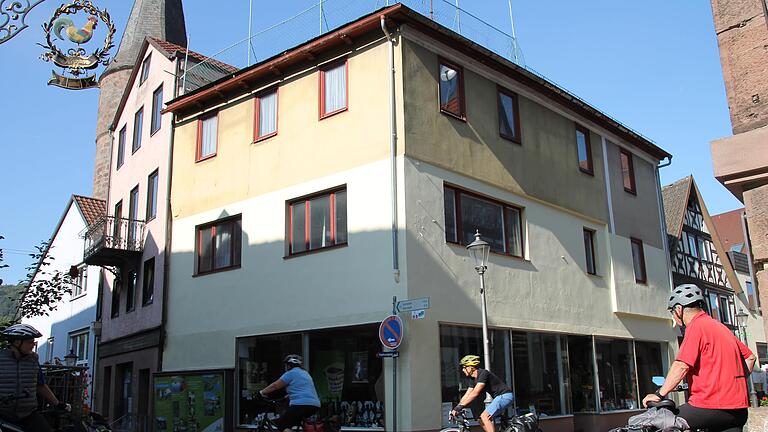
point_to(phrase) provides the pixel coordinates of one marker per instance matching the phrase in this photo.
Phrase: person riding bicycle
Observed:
(21, 380)
(484, 381)
(303, 401)
(714, 362)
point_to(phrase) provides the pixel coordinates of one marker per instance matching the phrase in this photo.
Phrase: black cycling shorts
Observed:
(714, 420)
(295, 415)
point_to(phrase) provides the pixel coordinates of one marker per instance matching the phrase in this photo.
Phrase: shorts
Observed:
(295, 415)
(499, 404)
(728, 420)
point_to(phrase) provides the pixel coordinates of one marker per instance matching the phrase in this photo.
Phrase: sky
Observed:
(653, 65)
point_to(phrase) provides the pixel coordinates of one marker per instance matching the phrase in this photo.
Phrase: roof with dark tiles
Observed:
(91, 208)
(675, 197)
(170, 48)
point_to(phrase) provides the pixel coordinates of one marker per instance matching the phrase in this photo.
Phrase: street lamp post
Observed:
(479, 250)
(741, 323)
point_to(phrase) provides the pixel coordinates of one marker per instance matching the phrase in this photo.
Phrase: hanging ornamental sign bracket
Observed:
(13, 16)
(76, 61)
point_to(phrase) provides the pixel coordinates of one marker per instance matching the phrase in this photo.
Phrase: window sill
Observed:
(234, 267)
(203, 159)
(79, 296)
(151, 134)
(595, 275)
(263, 138)
(586, 171)
(314, 251)
(641, 282)
(630, 191)
(459, 117)
(515, 257)
(511, 139)
(324, 116)
(150, 219)
(133, 151)
(147, 304)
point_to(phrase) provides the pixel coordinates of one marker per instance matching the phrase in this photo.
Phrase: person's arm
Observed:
(677, 372)
(46, 393)
(277, 385)
(472, 394)
(747, 355)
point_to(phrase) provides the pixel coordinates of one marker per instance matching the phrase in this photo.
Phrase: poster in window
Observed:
(360, 367)
(328, 374)
(190, 402)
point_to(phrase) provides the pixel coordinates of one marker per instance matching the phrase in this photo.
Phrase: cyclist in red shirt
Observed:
(715, 363)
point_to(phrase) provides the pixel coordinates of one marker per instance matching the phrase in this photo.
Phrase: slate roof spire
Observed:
(161, 19)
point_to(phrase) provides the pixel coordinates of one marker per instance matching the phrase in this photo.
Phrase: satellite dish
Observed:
(446, 73)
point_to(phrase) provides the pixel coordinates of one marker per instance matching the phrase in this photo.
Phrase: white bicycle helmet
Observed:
(685, 295)
(21, 332)
(294, 359)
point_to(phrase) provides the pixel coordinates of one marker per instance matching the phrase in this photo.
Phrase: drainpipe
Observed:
(167, 246)
(392, 149)
(662, 220)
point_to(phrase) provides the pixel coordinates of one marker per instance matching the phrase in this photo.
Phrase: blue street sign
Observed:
(391, 332)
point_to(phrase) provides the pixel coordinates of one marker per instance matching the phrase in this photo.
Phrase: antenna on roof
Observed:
(250, 23)
(458, 18)
(514, 36)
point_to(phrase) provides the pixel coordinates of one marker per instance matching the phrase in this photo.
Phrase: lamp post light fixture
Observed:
(741, 323)
(479, 250)
(70, 359)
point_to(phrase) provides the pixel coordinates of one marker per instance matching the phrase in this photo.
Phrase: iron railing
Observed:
(110, 232)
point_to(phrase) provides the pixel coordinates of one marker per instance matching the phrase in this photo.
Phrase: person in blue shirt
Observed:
(302, 396)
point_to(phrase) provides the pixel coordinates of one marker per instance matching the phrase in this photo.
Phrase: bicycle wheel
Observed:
(452, 429)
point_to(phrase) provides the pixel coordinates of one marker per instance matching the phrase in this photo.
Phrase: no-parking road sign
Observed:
(391, 332)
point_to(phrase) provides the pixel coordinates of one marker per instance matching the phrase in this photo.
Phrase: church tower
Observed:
(161, 19)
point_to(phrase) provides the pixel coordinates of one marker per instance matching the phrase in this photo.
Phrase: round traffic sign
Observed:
(391, 332)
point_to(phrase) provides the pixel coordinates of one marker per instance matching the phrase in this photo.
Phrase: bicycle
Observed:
(502, 423)
(60, 420)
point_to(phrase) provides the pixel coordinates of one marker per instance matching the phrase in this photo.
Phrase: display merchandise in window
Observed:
(649, 365)
(540, 364)
(616, 373)
(581, 361)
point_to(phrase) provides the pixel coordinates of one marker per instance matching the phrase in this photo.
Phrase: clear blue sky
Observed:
(653, 65)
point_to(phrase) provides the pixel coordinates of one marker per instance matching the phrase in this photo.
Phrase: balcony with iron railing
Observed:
(113, 241)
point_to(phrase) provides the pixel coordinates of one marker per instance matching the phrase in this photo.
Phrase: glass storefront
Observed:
(341, 361)
(554, 374)
(616, 373)
(540, 363)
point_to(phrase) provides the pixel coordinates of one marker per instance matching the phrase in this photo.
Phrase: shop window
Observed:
(348, 375)
(451, 87)
(582, 375)
(616, 374)
(649, 365)
(584, 150)
(499, 224)
(540, 366)
(260, 362)
(455, 343)
(343, 365)
(317, 222)
(218, 245)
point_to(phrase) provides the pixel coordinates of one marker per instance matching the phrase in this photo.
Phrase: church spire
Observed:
(160, 19)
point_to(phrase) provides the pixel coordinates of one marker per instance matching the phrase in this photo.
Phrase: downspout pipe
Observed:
(663, 221)
(392, 149)
(167, 246)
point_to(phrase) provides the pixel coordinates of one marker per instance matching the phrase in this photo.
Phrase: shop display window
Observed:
(347, 375)
(616, 373)
(649, 364)
(260, 362)
(455, 343)
(540, 363)
(581, 368)
(342, 362)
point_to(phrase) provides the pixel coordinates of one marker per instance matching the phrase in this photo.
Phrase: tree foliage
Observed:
(45, 287)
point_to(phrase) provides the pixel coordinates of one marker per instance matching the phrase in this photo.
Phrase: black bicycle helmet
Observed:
(21, 332)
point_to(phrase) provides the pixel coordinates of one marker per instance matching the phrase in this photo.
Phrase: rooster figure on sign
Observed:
(73, 34)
